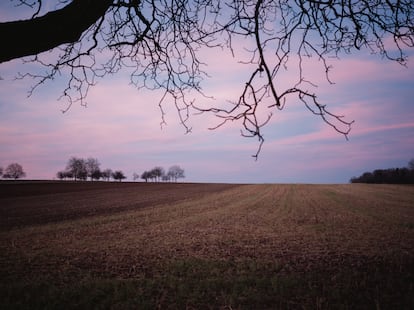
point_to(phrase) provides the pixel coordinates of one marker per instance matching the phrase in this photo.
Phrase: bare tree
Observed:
(92, 168)
(1, 171)
(96, 175)
(157, 173)
(166, 178)
(160, 43)
(176, 172)
(146, 175)
(411, 164)
(106, 174)
(77, 167)
(61, 175)
(135, 176)
(14, 171)
(118, 175)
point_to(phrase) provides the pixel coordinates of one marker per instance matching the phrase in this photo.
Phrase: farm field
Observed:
(66, 245)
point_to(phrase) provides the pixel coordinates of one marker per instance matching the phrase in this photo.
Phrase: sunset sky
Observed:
(121, 126)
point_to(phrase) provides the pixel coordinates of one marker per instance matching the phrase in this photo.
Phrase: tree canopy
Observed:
(13, 171)
(80, 169)
(403, 175)
(160, 43)
(158, 173)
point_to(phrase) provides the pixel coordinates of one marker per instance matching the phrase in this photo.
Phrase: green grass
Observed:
(201, 284)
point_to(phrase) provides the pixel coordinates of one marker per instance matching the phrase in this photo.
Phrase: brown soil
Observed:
(29, 203)
(350, 236)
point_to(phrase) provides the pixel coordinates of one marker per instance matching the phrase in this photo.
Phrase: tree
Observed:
(146, 175)
(411, 164)
(176, 172)
(92, 168)
(106, 174)
(166, 178)
(77, 167)
(135, 176)
(14, 171)
(69, 174)
(161, 43)
(157, 173)
(386, 176)
(118, 175)
(96, 175)
(61, 175)
(1, 171)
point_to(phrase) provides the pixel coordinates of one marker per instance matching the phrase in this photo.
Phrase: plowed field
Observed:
(203, 246)
(29, 203)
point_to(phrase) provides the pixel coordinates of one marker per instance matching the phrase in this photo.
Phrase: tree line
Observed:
(159, 174)
(404, 175)
(81, 169)
(84, 169)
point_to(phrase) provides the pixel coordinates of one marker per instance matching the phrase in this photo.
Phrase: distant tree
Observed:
(157, 173)
(411, 164)
(176, 172)
(106, 174)
(96, 175)
(386, 176)
(61, 175)
(92, 168)
(69, 175)
(166, 178)
(152, 175)
(118, 175)
(1, 171)
(77, 167)
(146, 175)
(135, 176)
(14, 171)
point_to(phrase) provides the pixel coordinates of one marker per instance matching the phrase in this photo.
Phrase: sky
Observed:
(120, 126)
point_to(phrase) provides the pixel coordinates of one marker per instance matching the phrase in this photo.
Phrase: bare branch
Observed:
(159, 42)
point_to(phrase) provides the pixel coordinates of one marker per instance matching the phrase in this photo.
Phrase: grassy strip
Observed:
(204, 284)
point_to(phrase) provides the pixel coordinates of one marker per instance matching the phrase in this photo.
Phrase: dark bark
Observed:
(33, 36)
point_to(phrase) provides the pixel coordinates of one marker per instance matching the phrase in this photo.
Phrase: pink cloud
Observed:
(121, 126)
(352, 69)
